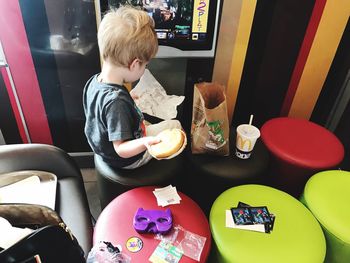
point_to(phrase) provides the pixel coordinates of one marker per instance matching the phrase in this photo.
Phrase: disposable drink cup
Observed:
(246, 139)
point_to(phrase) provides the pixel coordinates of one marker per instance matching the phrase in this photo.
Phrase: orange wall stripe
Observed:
(330, 30)
(239, 53)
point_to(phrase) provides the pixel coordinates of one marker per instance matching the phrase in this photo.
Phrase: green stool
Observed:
(327, 196)
(296, 238)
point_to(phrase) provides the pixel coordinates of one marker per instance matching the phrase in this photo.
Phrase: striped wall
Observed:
(278, 65)
(276, 58)
(322, 51)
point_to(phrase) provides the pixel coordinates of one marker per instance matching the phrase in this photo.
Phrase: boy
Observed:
(114, 125)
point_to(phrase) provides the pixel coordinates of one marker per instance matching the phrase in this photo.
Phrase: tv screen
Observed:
(184, 27)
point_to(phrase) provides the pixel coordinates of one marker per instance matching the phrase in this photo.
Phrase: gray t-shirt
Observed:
(111, 115)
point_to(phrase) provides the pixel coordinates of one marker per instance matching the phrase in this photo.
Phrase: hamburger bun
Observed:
(171, 142)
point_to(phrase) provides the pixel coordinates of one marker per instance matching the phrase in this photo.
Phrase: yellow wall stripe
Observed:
(227, 36)
(239, 50)
(330, 30)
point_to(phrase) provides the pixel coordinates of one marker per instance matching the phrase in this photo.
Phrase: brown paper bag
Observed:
(210, 127)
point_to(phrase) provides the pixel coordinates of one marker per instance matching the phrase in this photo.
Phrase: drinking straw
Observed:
(37, 259)
(251, 119)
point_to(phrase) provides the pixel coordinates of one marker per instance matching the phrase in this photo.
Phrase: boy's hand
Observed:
(150, 140)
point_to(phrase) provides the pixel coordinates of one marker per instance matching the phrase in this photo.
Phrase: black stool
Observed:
(112, 182)
(211, 175)
(71, 201)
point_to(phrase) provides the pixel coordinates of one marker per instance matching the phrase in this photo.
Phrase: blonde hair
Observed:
(126, 34)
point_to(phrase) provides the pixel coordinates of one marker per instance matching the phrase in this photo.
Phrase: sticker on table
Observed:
(134, 244)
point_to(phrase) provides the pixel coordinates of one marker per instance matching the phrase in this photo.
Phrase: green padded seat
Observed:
(296, 238)
(327, 195)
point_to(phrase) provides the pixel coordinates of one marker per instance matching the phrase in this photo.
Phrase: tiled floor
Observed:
(89, 176)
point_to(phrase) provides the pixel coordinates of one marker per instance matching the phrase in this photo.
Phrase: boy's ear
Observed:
(133, 64)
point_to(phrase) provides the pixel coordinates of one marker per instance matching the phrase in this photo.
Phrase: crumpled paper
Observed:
(151, 98)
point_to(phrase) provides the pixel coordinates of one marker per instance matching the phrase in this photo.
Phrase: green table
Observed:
(296, 238)
(327, 195)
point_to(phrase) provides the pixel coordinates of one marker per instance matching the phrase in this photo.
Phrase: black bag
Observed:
(51, 240)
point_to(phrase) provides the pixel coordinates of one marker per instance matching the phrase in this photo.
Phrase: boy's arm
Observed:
(127, 149)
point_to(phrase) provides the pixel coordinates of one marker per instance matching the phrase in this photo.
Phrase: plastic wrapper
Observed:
(189, 243)
(105, 252)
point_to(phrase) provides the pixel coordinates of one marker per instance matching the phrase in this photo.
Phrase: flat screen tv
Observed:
(185, 28)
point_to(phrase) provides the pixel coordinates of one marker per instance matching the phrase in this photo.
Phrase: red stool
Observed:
(299, 149)
(115, 222)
